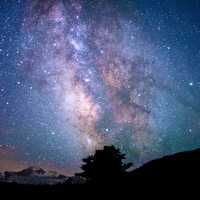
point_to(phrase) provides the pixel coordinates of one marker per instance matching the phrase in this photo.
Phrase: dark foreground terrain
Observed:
(179, 169)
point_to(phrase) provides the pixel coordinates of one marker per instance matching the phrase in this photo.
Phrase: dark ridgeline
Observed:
(180, 168)
(106, 170)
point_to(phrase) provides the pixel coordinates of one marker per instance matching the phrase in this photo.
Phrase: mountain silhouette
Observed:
(33, 176)
(180, 168)
(31, 171)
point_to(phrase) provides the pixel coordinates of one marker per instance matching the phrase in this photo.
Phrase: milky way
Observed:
(88, 74)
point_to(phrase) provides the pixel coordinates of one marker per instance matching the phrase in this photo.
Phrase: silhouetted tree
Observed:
(104, 166)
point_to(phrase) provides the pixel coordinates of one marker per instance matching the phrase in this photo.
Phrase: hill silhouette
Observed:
(106, 169)
(178, 168)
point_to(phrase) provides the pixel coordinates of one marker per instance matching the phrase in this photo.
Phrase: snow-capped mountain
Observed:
(34, 176)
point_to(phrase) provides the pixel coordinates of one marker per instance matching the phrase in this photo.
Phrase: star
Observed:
(107, 130)
(191, 84)
(53, 133)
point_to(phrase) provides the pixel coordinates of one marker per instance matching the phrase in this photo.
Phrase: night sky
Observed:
(76, 75)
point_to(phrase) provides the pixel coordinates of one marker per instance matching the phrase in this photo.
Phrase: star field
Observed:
(77, 75)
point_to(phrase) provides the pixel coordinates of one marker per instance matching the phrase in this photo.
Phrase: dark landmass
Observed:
(180, 168)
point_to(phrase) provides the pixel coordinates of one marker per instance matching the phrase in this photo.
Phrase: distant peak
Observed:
(32, 170)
